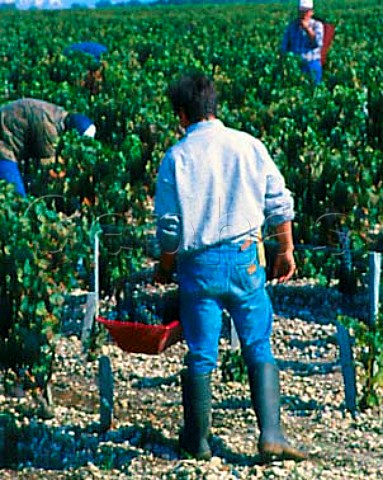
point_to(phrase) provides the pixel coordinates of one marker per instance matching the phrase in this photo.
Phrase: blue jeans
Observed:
(10, 172)
(224, 277)
(314, 68)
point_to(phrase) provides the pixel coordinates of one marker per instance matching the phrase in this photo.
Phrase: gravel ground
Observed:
(147, 401)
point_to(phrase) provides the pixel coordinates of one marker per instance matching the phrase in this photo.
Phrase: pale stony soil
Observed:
(148, 413)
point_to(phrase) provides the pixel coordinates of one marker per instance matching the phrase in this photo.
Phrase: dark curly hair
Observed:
(195, 95)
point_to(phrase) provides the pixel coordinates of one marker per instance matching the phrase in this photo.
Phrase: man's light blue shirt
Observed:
(217, 185)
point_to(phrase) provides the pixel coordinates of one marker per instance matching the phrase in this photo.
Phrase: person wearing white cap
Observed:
(30, 129)
(304, 37)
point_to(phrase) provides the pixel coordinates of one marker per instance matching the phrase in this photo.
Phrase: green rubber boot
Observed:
(196, 400)
(265, 396)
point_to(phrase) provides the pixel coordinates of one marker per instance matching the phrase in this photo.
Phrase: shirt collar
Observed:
(204, 125)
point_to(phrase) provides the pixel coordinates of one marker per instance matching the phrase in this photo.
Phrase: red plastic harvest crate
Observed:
(137, 337)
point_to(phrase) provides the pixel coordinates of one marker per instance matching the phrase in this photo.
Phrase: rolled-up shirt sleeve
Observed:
(279, 202)
(167, 208)
(319, 32)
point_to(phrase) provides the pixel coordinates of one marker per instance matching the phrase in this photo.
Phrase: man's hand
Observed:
(164, 269)
(284, 266)
(305, 24)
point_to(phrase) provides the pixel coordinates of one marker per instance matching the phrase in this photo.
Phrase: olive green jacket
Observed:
(30, 128)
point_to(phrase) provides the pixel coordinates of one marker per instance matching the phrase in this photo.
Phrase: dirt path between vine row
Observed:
(148, 412)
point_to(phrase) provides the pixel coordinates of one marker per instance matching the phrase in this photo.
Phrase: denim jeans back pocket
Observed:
(250, 277)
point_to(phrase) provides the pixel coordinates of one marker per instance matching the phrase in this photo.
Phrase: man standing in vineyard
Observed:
(215, 188)
(304, 37)
(30, 129)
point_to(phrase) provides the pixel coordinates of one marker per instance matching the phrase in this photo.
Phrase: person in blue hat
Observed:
(30, 129)
(91, 48)
(94, 77)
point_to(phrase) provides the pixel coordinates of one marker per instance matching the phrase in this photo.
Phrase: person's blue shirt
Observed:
(297, 40)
